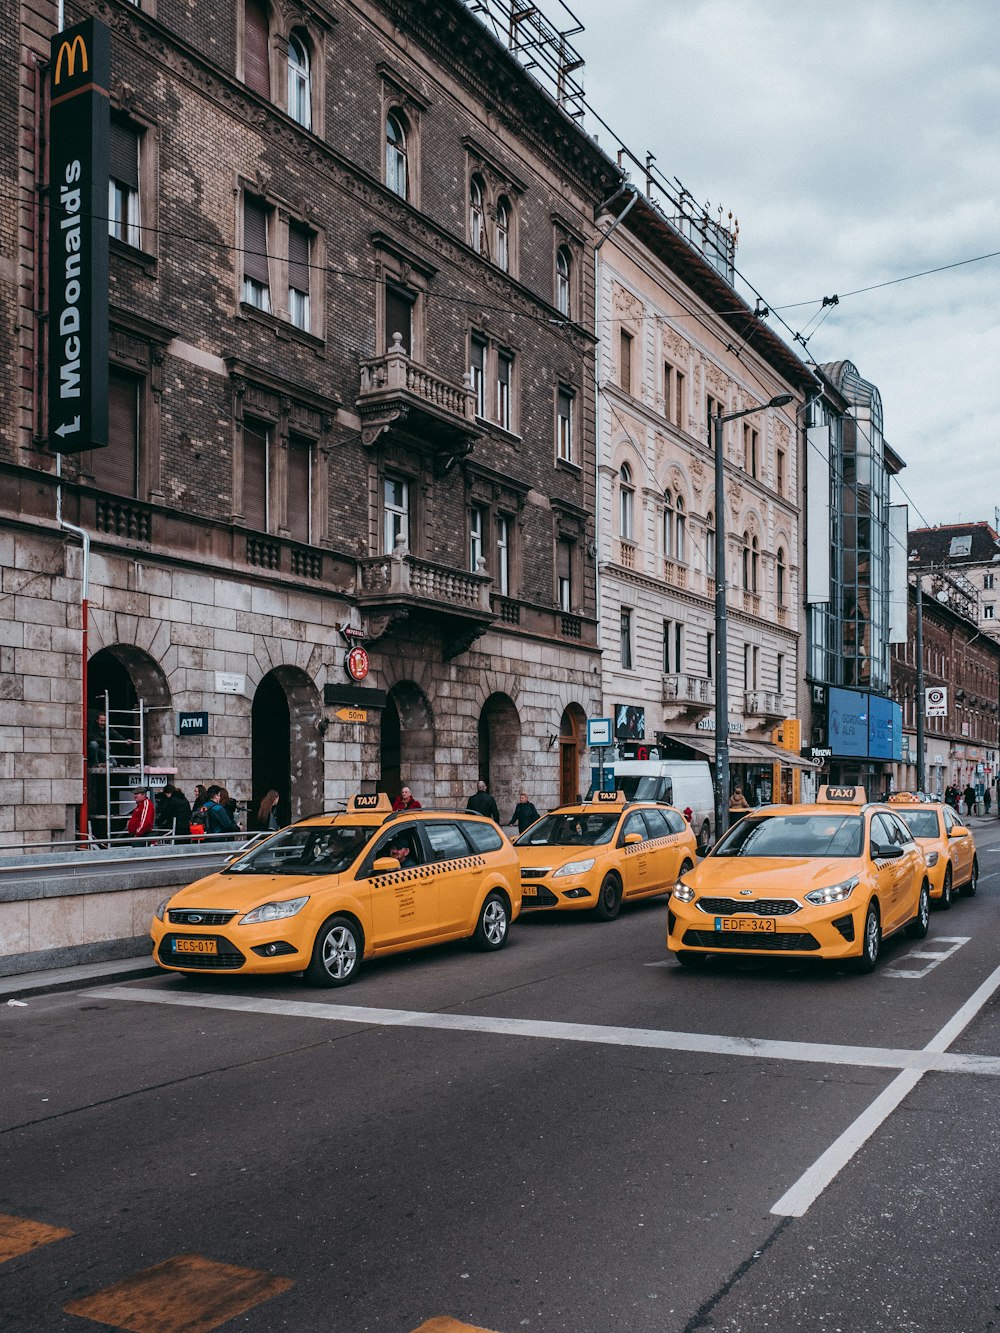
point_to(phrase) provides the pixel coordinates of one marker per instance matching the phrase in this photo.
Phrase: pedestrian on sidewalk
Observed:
(987, 798)
(524, 814)
(217, 817)
(969, 797)
(140, 821)
(482, 803)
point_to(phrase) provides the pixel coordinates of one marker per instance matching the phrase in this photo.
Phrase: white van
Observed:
(683, 783)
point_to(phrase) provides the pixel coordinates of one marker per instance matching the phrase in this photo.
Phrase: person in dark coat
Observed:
(482, 803)
(217, 817)
(524, 814)
(969, 797)
(173, 810)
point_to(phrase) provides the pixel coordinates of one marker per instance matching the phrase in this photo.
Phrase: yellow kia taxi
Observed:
(830, 880)
(597, 854)
(948, 846)
(326, 893)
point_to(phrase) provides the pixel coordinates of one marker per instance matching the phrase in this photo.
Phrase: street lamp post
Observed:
(721, 616)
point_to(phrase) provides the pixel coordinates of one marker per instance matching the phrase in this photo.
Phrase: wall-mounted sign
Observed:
(356, 664)
(708, 724)
(598, 731)
(351, 634)
(936, 701)
(192, 724)
(79, 137)
(230, 682)
(352, 714)
(630, 722)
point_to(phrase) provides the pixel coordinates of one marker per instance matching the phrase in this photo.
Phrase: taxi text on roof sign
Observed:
(370, 801)
(79, 137)
(616, 797)
(842, 796)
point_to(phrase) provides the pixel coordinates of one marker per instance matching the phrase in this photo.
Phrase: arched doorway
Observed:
(500, 760)
(571, 728)
(285, 744)
(407, 743)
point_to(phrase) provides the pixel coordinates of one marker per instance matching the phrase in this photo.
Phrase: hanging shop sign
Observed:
(356, 663)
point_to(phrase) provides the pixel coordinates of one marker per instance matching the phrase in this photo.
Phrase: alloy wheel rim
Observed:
(340, 953)
(925, 906)
(494, 922)
(871, 936)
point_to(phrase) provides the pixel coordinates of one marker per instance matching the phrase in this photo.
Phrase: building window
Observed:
(751, 563)
(781, 572)
(395, 514)
(751, 450)
(680, 541)
(256, 275)
(780, 466)
(668, 526)
(115, 468)
(988, 611)
(478, 372)
(988, 580)
(399, 304)
(564, 573)
(298, 276)
(478, 520)
(564, 268)
(299, 82)
(396, 172)
(123, 185)
(710, 655)
(673, 647)
(625, 360)
(781, 673)
(299, 488)
(674, 388)
(626, 504)
(674, 528)
(256, 48)
(564, 424)
(503, 555)
(710, 545)
(477, 217)
(503, 234)
(713, 408)
(505, 375)
(750, 663)
(256, 474)
(625, 638)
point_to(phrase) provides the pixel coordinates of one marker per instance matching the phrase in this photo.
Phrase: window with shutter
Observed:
(256, 276)
(256, 43)
(123, 183)
(256, 439)
(298, 276)
(300, 488)
(116, 467)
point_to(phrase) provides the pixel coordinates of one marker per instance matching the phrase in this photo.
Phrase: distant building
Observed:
(969, 554)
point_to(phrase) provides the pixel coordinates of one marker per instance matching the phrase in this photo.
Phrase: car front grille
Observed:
(756, 907)
(541, 898)
(227, 957)
(191, 916)
(777, 942)
(535, 872)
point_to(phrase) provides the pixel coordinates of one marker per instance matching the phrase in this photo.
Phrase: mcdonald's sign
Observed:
(79, 134)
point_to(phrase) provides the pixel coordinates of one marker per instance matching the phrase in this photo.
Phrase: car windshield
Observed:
(308, 849)
(793, 836)
(570, 831)
(921, 823)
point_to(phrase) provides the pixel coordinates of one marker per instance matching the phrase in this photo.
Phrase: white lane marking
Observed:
(934, 957)
(797, 1200)
(865, 1057)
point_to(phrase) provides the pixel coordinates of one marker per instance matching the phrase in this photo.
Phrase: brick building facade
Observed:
(351, 302)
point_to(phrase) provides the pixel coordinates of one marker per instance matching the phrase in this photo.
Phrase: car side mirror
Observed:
(383, 865)
(632, 838)
(958, 831)
(886, 851)
(701, 851)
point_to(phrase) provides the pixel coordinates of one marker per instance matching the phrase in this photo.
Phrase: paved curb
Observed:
(75, 978)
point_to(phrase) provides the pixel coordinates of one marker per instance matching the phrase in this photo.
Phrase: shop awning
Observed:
(741, 751)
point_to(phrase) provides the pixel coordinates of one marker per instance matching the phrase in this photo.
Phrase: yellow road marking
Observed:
(442, 1324)
(186, 1294)
(18, 1235)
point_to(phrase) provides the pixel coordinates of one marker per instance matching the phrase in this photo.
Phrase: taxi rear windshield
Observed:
(794, 835)
(570, 831)
(307, 850)
(921, 823)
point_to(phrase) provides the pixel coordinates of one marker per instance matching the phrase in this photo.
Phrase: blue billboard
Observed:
(885, 728)
(848, 723)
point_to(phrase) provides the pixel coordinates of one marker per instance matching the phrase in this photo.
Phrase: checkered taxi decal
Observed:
(415, 873)
(652, 845)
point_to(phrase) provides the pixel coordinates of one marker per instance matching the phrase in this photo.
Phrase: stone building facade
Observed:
(351, 312)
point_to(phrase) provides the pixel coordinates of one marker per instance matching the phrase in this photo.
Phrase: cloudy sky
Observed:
(857, 144)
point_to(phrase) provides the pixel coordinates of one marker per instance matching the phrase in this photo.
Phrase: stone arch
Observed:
(285, 743)
(572, 738)
(130, 676)
(500, 759)
(407, 742)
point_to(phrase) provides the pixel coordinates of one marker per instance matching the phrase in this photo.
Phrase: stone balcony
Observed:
(396, 391)
(685, 695)
(402, 586)
(763, 703)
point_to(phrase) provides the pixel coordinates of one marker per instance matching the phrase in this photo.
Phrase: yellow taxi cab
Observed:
(326, 893)
(828, 880)
(948, 846)
(595, 855)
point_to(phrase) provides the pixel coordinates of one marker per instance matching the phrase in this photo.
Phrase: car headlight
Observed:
(683, 893)
(274, 911)
(575, 868)
(932, 859)
(834, 893)
(161, 909)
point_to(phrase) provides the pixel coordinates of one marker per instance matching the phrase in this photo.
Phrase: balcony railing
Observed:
(763, 703)
(395, 388)
(404, 577)
(751, 603)
(783, 616)
(686, 689)
(675, 574)
(626, 555)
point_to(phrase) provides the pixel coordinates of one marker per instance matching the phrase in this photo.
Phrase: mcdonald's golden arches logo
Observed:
(70, 50)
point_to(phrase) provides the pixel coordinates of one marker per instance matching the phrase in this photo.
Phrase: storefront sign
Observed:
(356, 664)
(708, 724)
(79, 136)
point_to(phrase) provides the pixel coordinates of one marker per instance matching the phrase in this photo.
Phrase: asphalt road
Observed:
(571, 1135)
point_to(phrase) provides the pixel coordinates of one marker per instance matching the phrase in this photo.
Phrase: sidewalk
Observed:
(73, 978)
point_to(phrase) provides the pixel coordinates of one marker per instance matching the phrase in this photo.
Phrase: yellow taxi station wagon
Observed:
(595, 855)
(326, 893)
(829, 880)
(948, 846)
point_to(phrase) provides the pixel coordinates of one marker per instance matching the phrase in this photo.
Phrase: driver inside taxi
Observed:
(403, 853)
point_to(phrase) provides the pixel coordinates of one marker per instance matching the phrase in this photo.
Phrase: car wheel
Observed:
(337, 953)
(685, 867)
(969, 890)
(704, 835)
(494, 920)
(871, 940)
(609, 900)
(691, 959)
(917, 928)
(944, 902)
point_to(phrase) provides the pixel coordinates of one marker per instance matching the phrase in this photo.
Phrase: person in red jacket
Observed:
(405, 801)
(140, 821)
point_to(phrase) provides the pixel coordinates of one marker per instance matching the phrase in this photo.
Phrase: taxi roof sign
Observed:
(616, 797)
(369, 802)
(842, 796)
(906, 798)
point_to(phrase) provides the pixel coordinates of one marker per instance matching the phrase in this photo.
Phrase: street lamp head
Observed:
(782, 400)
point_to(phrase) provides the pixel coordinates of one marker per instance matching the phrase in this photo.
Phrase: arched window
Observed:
(754, 565)
(563, 269)
(626, 504)
(299, 82)
(680, 532)
(396, 175)
(668, 526)
(745, 553)
(503, 235)
(477, 217)
(781, 576)
(710, 545)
